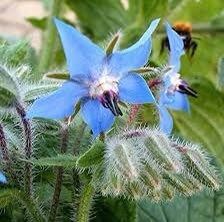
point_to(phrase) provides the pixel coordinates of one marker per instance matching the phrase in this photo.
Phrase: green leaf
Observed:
(93, 156)
(221, 73)
(114, 210)
(16, 53)
(65, 160)
(175, 3)
(139, 15)
(40, 23)
(205, 123)
(33, 91)
(31, 206)
(205, 207)
(12, 195)
(8, 88)
(7, 196)
(143, 11)
(188, 10)
(98, 18)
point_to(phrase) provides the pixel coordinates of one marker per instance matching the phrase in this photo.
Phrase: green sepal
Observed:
(111, 45)
(143, 70)
(57, 75)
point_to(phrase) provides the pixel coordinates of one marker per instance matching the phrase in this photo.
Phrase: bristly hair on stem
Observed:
(3, 145)
(133, 114)
(75, 176)
(27, 132)
(59, 176)
(85, 203)
(135, 108)
(5, 153)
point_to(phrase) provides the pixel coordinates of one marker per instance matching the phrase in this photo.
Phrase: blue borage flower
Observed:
(100, 81)
(2, 178)
(174, 92)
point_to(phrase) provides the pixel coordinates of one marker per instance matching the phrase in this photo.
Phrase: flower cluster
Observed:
(102, 80)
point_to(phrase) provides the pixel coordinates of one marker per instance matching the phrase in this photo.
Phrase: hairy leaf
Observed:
(8, 88)
(33, 91)
(7, 196)
(92, 157)
(205, 207)
(65, 160)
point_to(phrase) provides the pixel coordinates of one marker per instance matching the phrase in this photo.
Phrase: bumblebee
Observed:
(184, 29)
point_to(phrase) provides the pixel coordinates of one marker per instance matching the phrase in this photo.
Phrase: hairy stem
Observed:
(59, 176)
(85, 203)
(153, 83)
(49, 39)
(133, 114)
(75, 175)
(28, 148)
(5, 153)
(31, 206)
(102, 137)
(3, 145)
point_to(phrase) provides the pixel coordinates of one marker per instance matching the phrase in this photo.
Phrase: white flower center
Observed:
(104, 83)
(175, 81)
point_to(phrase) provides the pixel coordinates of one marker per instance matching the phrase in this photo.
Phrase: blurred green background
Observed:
(98, 19)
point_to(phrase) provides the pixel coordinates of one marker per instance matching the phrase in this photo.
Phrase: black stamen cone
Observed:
(185, 89)
(110, 101)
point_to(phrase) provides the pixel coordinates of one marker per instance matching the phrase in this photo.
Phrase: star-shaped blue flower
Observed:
(100, 81)
(175, 90)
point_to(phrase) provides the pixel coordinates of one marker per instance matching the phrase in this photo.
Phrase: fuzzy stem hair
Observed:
(85, 203)
(75, 175)
(28, 180)
(5, 152)
(59, 175)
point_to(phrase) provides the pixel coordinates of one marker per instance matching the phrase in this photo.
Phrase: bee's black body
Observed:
(184, 30)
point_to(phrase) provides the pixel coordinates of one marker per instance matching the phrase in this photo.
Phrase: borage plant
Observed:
(97, 157)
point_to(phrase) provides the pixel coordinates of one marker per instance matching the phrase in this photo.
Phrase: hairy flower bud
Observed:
(145, 163)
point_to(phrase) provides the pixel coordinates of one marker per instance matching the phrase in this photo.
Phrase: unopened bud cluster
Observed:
(145, 163)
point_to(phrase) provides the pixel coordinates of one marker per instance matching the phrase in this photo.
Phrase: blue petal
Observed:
(179, 102)
(96, 116)
(166, 120)
(59, 104)
(82, 55)
(134, 89)
(135, 56)
(176, 48)
(2, 178)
